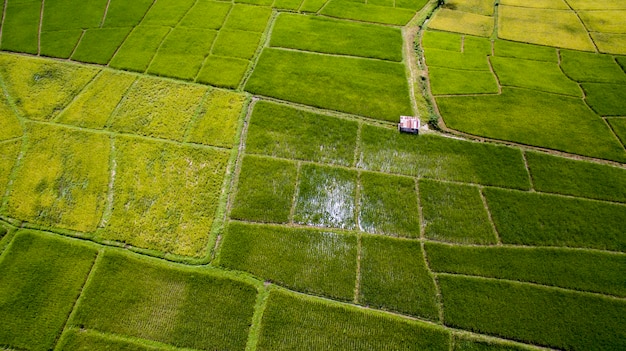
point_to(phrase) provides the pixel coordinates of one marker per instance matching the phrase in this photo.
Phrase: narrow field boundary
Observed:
(169, 31)
(408, 36)
(266, 36)
(496, 16)
(493, 71)
(18, 162)
(294, 199)
(83, 90)
(8, 141)
(82, 34)
(342, 231)
(523, 147)
(299, 6)
(43, 5)
(467, 95)
(613, 131)
(214, 40)
(128, 35)
(331, 113)
(80, 295)
(452, 330)
(608, 125)
(116, 50)
(130, 135)
(462, 333)
(550, 287)
(234, 170)
(133, 340)
(255, 329)
(584, 25)
(427, 240)
(108, 207)
(228, 184)
(359, 238)
(354, 20)
(357, 149)
(281, 48)
(196, 115)
(106, 11)
(359, 255)
(8, 237)
(530, 175)
(438, 295)
(109, 121)
(324, 6)
(582, 96)
(420, 211)
(4, 15)
(491, 221)
(357, 169)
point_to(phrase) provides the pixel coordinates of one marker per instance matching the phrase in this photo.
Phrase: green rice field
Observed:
(187, 175)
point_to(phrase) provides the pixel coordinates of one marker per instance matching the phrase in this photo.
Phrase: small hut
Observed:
(409, 125)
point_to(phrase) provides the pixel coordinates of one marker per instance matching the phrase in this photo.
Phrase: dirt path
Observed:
(106, 11)
(409, 34)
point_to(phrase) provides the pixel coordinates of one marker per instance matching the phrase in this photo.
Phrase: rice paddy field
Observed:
(188, 175)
